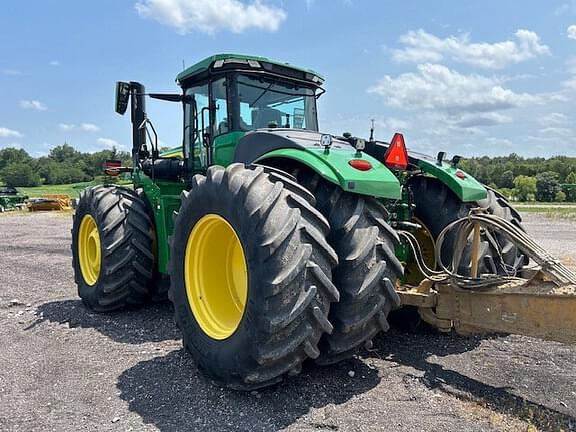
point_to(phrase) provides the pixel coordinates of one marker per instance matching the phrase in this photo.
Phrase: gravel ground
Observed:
(63, 368)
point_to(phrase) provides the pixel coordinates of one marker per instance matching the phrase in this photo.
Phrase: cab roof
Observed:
(213, 63)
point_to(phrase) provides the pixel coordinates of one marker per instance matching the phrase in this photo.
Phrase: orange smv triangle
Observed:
(396, 156)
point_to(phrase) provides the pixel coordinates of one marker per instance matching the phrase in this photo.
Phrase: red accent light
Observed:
(360, 164)
(460, 175)
(112, 167)
(110, 163)
(396, 156)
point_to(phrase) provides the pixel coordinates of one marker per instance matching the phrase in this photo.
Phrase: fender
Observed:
(466, 187)
(333, 166)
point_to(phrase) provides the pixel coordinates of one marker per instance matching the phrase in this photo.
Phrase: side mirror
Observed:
(122, 96)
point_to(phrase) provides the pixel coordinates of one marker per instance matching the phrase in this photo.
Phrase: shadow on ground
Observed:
(415, 349)
(152, 323)
(172, 394)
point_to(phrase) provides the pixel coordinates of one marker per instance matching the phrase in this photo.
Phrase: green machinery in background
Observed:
(11, 199)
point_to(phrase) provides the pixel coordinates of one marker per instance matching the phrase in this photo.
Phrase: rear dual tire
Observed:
(368, 269)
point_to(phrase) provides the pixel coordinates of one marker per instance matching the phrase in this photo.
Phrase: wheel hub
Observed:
(89, 250)
(216, 276)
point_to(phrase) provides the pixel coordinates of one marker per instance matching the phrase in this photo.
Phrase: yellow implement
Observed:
(50, 202)
(540, 302)
(534, 307)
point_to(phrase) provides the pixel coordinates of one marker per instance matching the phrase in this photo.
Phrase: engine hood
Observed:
(255, 143)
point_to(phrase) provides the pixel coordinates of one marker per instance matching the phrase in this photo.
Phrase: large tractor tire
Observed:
(112, 245)
(368, 269)
(250, 273)
(437, 206)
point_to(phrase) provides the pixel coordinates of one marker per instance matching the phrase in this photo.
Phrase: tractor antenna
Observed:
(372, 130)
(183, 65)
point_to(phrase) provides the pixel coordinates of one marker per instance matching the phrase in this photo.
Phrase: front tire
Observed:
(273, 307)
(112, 248)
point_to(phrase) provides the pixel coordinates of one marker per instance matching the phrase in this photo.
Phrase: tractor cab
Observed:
(228, 95)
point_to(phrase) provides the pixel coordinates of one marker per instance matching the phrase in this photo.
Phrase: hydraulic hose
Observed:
(490, 223)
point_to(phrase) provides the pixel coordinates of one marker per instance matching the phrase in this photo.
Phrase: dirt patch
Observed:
(64, 368)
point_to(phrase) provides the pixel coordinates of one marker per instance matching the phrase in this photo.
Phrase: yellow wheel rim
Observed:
(216, 276)
(413, 275)
(89, 250)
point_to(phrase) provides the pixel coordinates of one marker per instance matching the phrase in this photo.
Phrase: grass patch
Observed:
(73, 190)
(551, 212)
(542, 204)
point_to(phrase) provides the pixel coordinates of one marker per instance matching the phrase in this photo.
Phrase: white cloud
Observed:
(89, 127)
(86, 127)
(553, 119)
(420, 46)
(66, 127)
(11, 145)
(392, 124)
(571, 64)
(33, 105)
(472, 120)
(570, 84)
(436, 87)
(558, 131)
(209, 16)
(108, 142)
(54, 63)
(572, 32)
(499, 142)
(11, 72)
(566, 8)
(6, 133)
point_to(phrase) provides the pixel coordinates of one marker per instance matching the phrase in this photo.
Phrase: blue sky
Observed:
(474, 78)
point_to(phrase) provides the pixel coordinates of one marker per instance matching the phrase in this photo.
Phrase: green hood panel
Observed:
(468, 189)
(333, 166)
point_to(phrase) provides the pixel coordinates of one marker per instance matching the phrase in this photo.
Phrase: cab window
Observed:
(193, 142)
(267, 102)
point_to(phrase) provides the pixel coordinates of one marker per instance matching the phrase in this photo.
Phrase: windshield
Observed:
(268, 102)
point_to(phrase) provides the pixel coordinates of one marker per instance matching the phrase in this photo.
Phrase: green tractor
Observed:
(275, 242)
(11, 199)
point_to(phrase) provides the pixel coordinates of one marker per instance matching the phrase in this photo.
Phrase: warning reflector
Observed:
(396, 156)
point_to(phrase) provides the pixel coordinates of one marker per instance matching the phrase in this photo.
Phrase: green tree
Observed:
(547, 186)
(13, 155)
(64, 153)
(506, 180)
(20, 174)
(571, 178)
(507, 192)
(570, 191)
(525, 188)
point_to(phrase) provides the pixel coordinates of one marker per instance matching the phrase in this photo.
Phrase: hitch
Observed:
(535, 307)
(541, 303)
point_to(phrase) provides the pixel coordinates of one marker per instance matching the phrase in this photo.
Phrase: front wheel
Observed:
(112, 253)
(250, 273)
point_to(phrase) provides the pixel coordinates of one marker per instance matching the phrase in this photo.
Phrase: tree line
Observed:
(63, 165)
(526, 179)
(523, 179)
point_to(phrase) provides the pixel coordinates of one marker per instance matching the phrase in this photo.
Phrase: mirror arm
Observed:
(166, 96)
